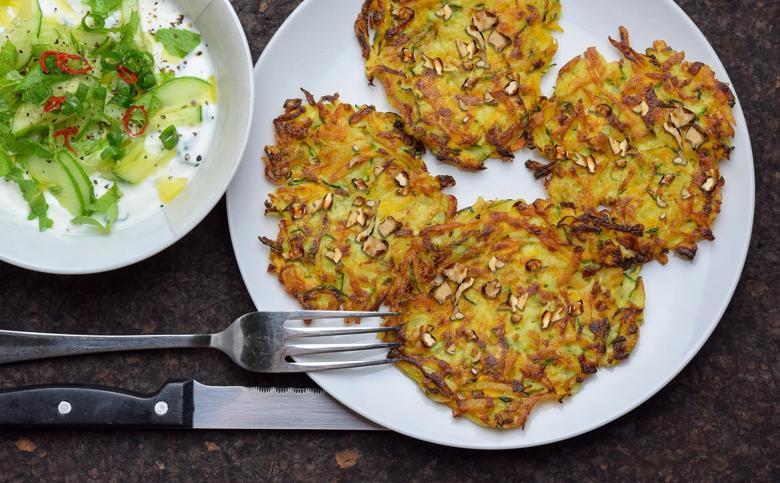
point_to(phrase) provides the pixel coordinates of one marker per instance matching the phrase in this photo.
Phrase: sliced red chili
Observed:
(46, 55)
(126, 74)
(53, 103)
(66, 134)
(64, 58)
(128, 118)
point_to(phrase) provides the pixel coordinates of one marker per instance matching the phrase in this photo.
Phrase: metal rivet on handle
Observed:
(64, 408)
(161, 408)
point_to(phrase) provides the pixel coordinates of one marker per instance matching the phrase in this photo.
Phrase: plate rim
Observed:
(646, 395)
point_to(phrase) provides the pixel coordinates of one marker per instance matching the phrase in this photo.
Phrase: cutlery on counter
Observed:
(257, 341)
(179, 404)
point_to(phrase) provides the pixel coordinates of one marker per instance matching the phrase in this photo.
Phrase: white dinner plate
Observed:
(316, 49)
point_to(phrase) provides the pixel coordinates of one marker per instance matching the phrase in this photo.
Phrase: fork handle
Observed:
(27, 346)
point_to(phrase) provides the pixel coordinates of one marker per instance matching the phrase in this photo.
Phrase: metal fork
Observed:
(257, 341)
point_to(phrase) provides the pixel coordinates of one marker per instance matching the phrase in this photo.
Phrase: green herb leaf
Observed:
(33, 195)
(103, 7)
(6, 165)
(88, 220)
(178, 42)
(107, 206)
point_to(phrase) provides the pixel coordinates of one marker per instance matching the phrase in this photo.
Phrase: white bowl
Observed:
(23, 245)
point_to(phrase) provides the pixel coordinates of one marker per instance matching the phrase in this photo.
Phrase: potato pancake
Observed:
(511, 304)
(643, 137)
(463, 74)
(353, 192)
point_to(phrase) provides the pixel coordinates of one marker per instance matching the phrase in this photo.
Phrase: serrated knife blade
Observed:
(239, 407)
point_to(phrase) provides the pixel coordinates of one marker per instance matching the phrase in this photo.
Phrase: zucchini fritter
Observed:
(511, 304)
(463, 74)
(643, 137)
(353, 192)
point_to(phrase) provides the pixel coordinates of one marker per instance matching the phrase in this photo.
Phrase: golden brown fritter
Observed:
(353, 192)
(642, 137)
(511, 304)
(463, 74)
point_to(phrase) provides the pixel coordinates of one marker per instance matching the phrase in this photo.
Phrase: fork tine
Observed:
(326, 366)
(320, 331)
(303, 349)
(332, 314)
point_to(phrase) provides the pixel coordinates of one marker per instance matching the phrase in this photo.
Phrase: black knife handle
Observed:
(94, 406)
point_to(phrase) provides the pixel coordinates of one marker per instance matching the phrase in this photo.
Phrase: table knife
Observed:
(178, 404)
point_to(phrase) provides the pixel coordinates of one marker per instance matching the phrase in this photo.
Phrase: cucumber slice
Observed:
(186, 116)
(53, 175)
(30, 117)
(183, 91)
(83, 183)
(141, 161)
(23, 31)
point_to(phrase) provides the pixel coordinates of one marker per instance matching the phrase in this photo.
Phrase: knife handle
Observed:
(95, 406)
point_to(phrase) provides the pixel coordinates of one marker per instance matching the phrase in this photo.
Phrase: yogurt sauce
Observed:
(142, 200)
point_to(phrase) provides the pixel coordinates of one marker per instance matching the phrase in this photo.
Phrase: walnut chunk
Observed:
(334, 255)
(477, 36)
(494, 264)
(498, 40)
(546, 319)
(642, 108)
(484, 20)
(427, 339)
(388, 226)
(685, 194)
(492, 289)
(467, 284)
(456, 273)
(694, 136)
(591, 162)
(444, 12)
(681, 117)
(533, 265)
(438, 66)
(442, 293)
(373, 247)
(709, 184)
(402, 179)
(674, 132)
(359, 184)
(511, 88)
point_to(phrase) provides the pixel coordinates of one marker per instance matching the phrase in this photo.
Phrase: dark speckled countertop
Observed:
(718, 420)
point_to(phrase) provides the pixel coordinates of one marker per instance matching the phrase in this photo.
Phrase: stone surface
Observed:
(717, 420)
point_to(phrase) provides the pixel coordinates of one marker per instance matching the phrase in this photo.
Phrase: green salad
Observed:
(88, 102)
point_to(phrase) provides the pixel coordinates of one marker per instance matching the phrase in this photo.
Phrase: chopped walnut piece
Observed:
(388, 226)
(374, 247)
(456, 273)
(484, 20)
(442, 293)
(492, 289)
